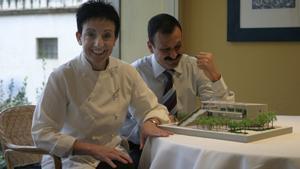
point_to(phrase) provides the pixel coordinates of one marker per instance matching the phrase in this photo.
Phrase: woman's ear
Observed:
(78, 37)
(150, 46)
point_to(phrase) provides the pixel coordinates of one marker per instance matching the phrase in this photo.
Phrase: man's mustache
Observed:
(169, 58)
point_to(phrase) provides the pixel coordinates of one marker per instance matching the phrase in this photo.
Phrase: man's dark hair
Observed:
(97, 9)
(163, 23)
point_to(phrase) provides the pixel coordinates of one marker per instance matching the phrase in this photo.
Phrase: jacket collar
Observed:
(86, 67)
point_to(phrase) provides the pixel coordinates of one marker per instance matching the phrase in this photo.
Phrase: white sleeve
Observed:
(49, 117)
(144, 103)
(221, 91)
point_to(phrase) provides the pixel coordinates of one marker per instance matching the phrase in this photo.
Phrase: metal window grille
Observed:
(47, 48)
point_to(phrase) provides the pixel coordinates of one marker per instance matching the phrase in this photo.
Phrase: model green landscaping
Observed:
(264, 121)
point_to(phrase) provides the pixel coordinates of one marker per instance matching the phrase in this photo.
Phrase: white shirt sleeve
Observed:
(222, 92)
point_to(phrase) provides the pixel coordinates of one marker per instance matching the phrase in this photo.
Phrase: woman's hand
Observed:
(150, 129)
(102, 153)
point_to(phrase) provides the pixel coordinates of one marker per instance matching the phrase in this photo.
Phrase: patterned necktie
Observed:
(169, 98)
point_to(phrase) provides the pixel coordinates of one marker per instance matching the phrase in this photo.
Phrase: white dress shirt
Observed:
(189, 81)
(79, 103)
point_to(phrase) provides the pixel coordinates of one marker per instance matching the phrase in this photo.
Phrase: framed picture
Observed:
(263, 20)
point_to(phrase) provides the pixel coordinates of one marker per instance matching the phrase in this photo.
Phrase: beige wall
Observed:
(134, 18)
(264, 72)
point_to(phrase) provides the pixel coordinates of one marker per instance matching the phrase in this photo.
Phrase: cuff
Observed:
(64, 146)
(219, 85)
(160, 112)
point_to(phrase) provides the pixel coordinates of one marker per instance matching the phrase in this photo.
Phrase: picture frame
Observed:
(235, 33)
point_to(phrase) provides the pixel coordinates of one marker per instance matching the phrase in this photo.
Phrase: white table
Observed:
(187, 152)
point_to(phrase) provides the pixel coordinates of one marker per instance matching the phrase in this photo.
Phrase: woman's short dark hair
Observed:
(163, 23)
(97, 9)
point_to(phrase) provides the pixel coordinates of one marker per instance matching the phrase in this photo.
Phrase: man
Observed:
(192, 76)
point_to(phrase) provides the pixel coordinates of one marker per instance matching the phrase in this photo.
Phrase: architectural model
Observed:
(236, 121)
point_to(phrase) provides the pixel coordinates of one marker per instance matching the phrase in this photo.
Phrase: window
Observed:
(47, 48)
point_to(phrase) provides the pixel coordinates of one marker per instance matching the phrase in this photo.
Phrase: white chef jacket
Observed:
(189, 82)
(79, 103)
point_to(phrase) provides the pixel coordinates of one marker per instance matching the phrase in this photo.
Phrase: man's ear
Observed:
(150, 46)
(78, 37)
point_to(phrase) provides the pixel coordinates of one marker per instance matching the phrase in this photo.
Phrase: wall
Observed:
(264, 72)
(134, 18)
(18, 53)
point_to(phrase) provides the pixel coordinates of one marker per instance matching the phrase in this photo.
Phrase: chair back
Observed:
(15, 128)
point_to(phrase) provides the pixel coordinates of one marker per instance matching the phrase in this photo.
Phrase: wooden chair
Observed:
(16, 140)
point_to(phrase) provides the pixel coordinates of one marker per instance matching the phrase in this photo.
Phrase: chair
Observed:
(16, 140)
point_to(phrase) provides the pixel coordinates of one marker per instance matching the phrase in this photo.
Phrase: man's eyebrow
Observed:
(108, 30)
(166, 48)
(90, 29)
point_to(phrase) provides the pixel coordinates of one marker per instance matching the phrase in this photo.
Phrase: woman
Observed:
(86, 100)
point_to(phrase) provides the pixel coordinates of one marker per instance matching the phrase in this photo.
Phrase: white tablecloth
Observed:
(187, 152)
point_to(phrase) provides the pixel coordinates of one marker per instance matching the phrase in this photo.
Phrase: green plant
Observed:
(38, 91)
(261, 122)
(13, 100)
(10, 100)
(2, 162)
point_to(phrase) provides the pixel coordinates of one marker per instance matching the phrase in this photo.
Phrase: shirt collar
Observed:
(158, 69)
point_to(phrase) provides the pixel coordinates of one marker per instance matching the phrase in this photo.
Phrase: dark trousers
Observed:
(120, 165)
(135, 153)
